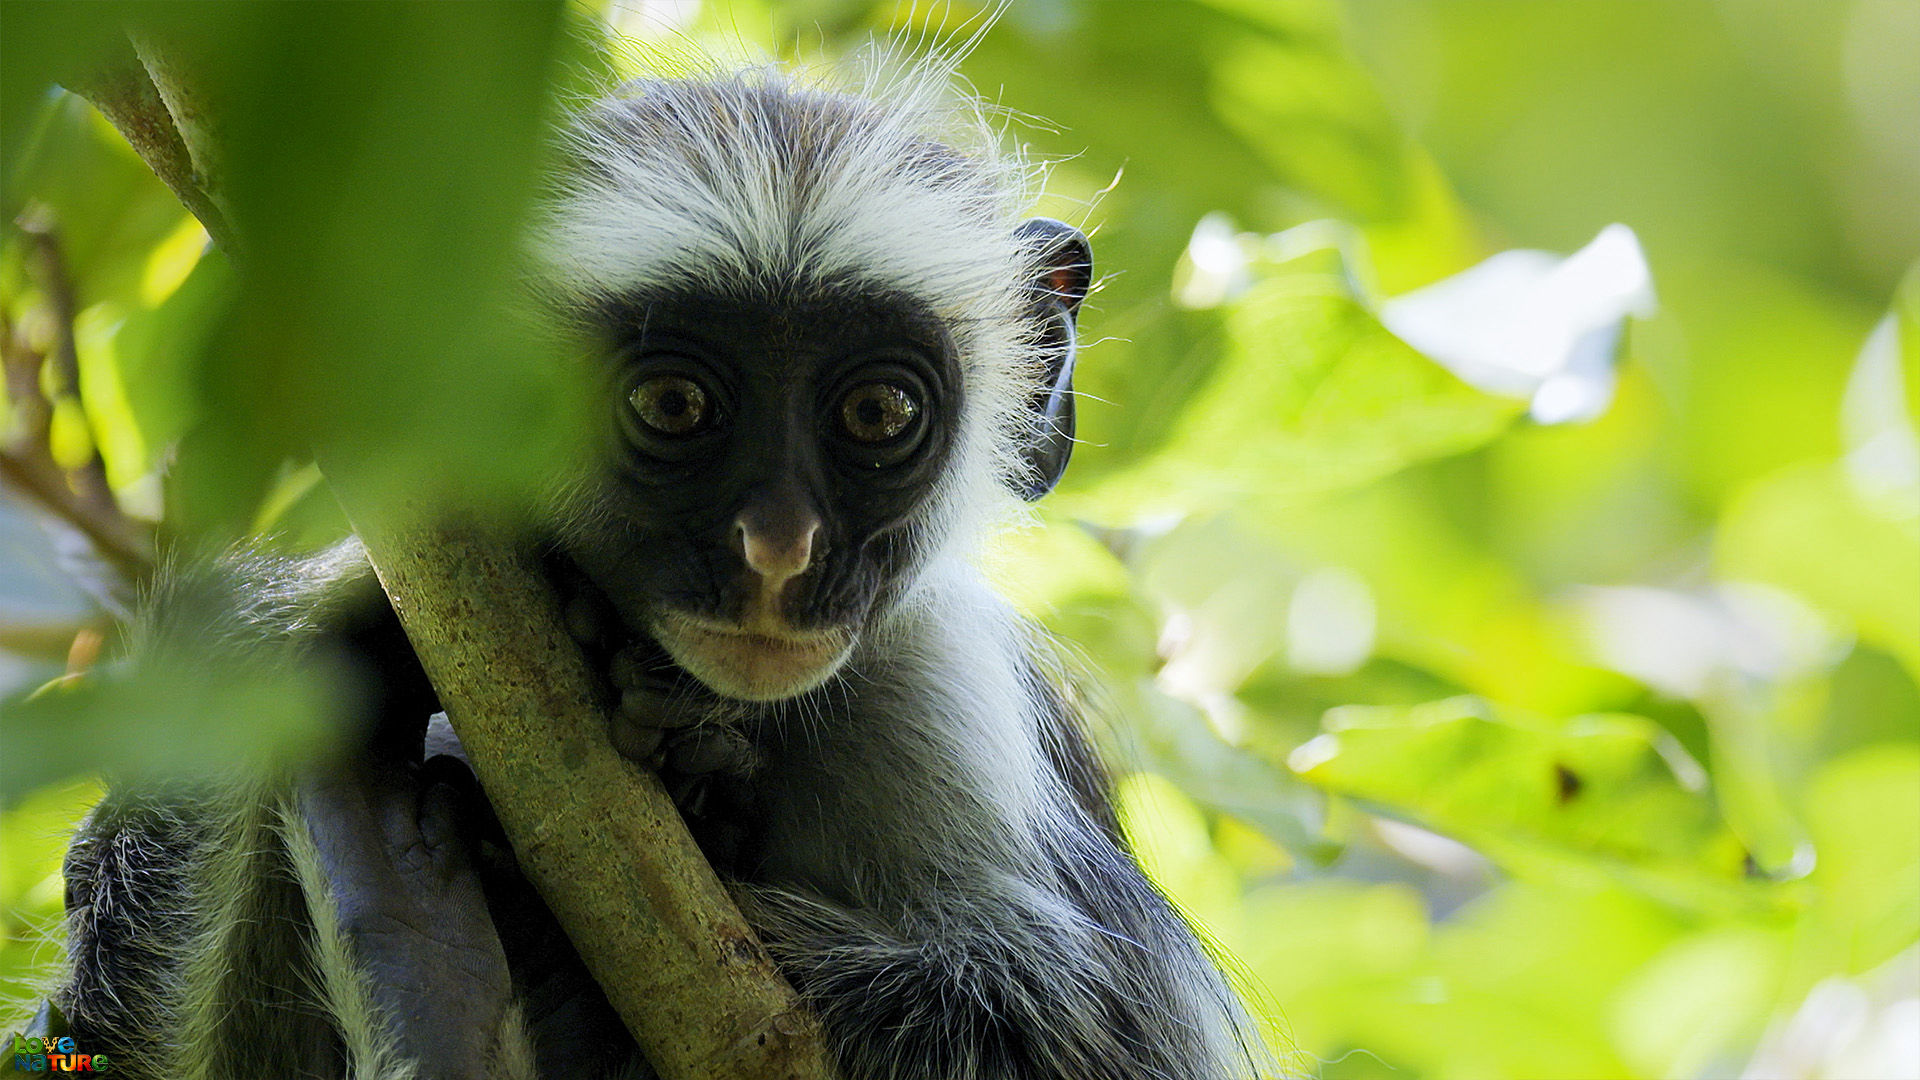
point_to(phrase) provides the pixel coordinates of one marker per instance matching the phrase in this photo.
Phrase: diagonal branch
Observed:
(597, 836)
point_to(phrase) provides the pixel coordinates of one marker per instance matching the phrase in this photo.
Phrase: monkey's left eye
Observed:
(877, 412)
(672, 405)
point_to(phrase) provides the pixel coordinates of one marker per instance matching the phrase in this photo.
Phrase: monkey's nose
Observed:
(777, 550)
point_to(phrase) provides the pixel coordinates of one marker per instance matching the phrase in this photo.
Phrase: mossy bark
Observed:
(598, 836)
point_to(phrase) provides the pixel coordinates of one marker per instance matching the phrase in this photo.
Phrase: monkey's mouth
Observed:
(758, 664)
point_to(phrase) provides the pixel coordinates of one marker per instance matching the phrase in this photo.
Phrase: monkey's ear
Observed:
(1062, 266)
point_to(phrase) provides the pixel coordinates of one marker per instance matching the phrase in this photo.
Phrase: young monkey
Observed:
(835, 357)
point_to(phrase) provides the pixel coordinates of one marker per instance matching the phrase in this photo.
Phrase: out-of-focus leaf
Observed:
(1705, 128)
(1695, 1004)
(1873, 699)
(377, 163)
(1860, 812)
(1175, 741)
(43, 44)
(1693, 645)
(31, 893)
(1806, 530)
(1534, 326)
(140, 368)
(1514, 994)
(1323, 947)
(1312, 395)
(1883, 449)
(182, 717)
(1443, 602)
(1308, 110)
(1612, 787)
(1752, 394)
(105, 208)
(1574, 504)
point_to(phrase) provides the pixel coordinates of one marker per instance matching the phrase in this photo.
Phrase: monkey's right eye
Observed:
(672, 405)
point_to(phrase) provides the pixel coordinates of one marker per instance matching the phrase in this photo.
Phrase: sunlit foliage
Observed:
(1515, 661)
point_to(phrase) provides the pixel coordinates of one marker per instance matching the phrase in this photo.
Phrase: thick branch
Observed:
(599, 837)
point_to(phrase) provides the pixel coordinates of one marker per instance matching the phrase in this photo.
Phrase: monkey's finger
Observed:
(449, 794)
(636, 742)
(342, 821)
(711, 749)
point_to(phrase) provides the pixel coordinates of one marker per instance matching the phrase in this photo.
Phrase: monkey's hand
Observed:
(663, 719)
(686, 735)
(410, 906)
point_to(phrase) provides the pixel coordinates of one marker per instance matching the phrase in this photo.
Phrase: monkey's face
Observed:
(770, 464)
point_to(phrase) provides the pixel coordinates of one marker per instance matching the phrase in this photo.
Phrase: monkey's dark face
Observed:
(767, 460)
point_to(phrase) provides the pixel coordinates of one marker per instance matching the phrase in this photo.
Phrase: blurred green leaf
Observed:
(1806, 529)
(31, 889)
(1860, 812)
(1752, 395)
(1608, 787)
(379, 162)
(188, 715)
(1311, 395)
(105, 208)
(1697, 1002)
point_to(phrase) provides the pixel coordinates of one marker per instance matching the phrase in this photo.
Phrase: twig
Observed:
(27, 465)
(117, 537)
(32, 412)
(89, 478)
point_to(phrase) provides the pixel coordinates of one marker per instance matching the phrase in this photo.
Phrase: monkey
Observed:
(833, 358)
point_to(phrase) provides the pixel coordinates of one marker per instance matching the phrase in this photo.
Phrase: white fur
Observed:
(902, 184)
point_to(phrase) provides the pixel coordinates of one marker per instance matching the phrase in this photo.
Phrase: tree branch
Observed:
(114, 535)
(598, 837)
(89, 478)
(27, 464)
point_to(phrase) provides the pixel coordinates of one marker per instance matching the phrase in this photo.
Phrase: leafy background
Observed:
(1492, 738)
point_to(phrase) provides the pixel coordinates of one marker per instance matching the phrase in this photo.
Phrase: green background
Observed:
(1487, 747)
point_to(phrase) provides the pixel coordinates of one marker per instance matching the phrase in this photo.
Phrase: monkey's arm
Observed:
(390, 841)
(234, 928)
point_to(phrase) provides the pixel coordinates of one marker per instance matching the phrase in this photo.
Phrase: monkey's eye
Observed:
(672, 405)
(877, 412)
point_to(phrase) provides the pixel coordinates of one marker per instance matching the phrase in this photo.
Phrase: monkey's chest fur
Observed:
(733, 769)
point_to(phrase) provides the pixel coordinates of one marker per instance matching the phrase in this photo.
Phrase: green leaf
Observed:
(1610, 790)
(182, 715)
(1860, 812)
(1807, 529)
(1312, 395)
(378, 164)
(31, 891)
